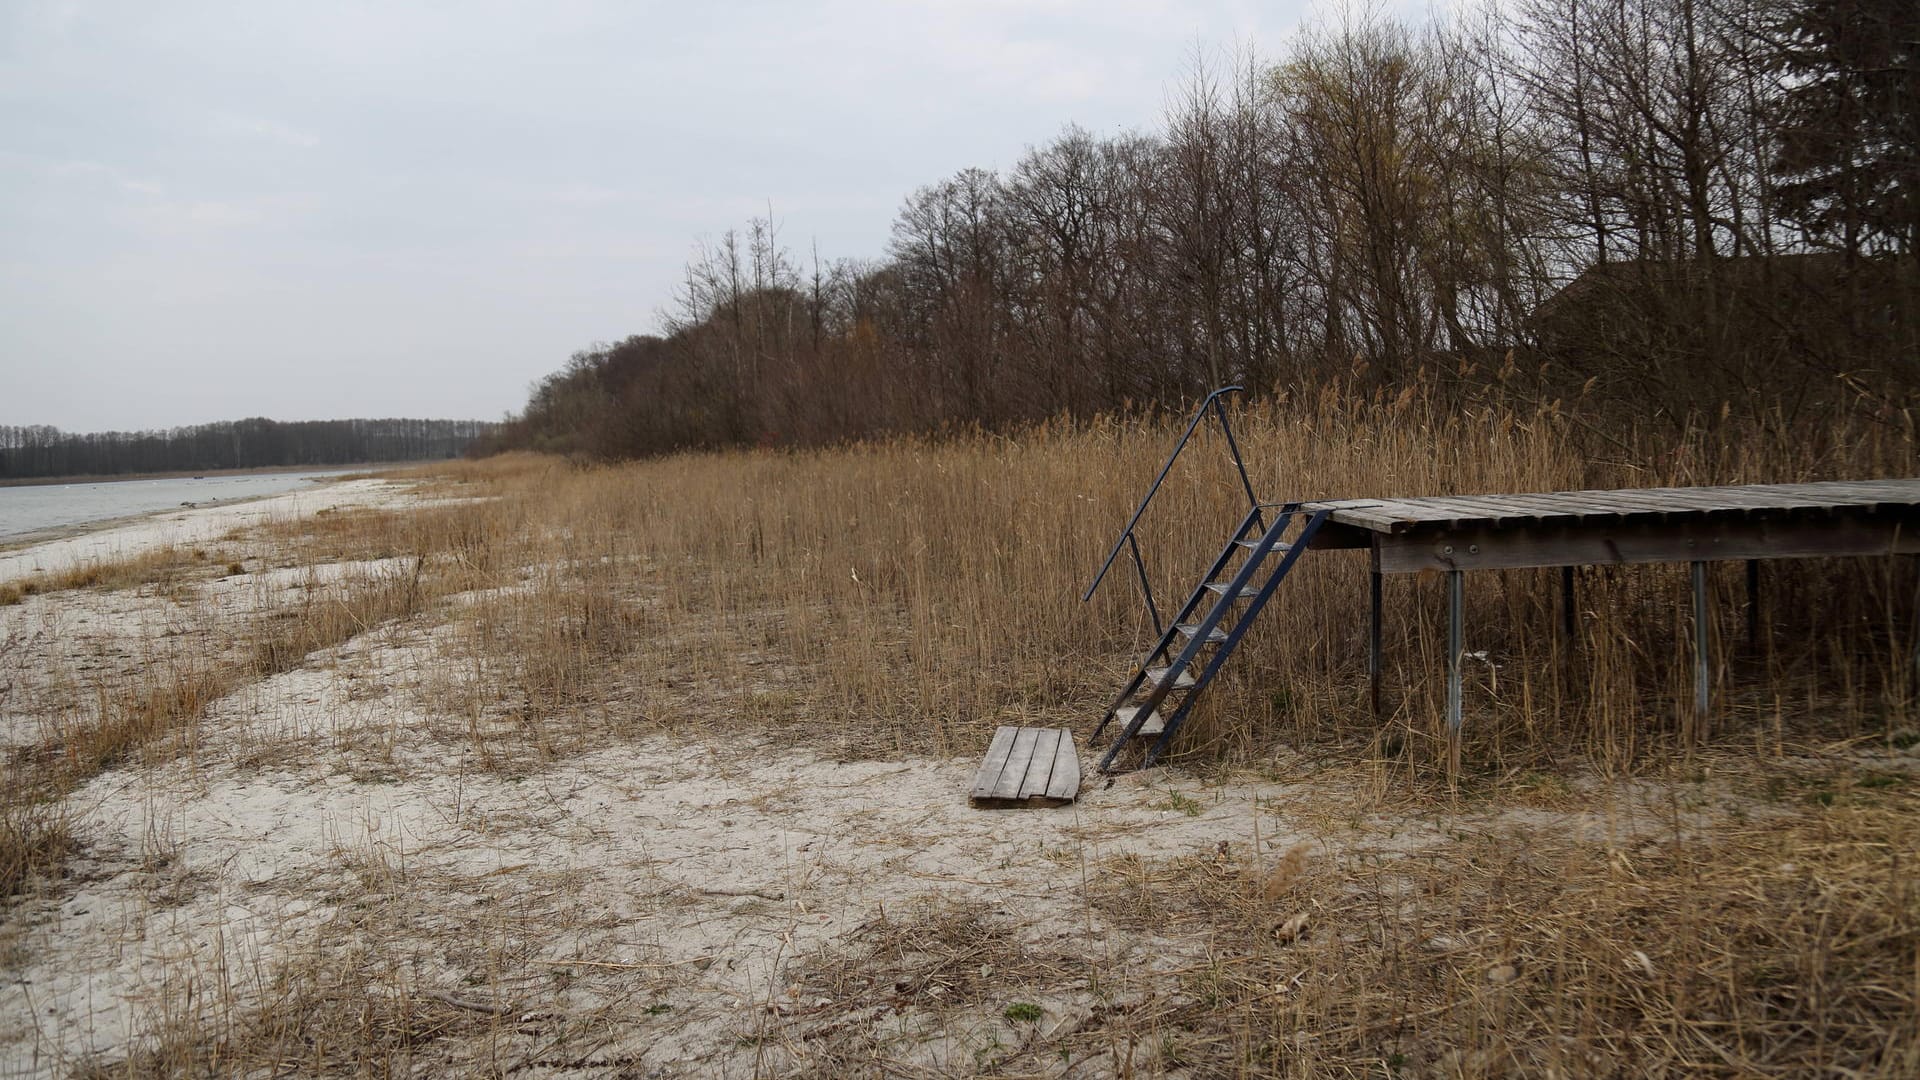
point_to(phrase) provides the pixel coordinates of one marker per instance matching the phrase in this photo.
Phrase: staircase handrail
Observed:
(1212, 401)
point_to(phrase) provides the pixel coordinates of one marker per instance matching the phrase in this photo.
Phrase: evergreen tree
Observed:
(1849, 123)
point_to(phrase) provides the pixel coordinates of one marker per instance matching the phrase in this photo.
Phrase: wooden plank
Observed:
(1622, 502)
(1041, 767)
(1889, 490)
(1866, 495)
(1830, 496)
(1421, 513)
(1650, 542)
(1064, 784)
(1768, 497)
(995, 762)
(1365, 513)
(1547, 507)
(1702, 503)
(1736, 496)
(1008, 786)
(1387, 515)
(1154, 724)
(1497, 509)
(1454, 511)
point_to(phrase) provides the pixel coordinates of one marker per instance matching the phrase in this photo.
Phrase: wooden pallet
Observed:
(1028, 766)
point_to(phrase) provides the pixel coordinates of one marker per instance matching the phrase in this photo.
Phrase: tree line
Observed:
(1676, 205)
(39, 451)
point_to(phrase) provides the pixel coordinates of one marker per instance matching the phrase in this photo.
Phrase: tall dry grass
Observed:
(914, 593)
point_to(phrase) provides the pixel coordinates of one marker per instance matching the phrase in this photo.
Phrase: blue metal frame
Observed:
(1216, 403)
(1269, 541)
(1239, 589)
(1168, 633)
(1299, 545)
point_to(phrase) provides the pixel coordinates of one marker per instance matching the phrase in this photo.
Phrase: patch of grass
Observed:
(1173, 800)
(1023, 1012)
(332, 615)
(129, 718)
(36, 838)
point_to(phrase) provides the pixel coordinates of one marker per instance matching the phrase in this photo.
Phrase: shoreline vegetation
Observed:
(662, 765)
(36, 451)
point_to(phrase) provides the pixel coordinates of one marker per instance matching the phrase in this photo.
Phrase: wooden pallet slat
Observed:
(995, 762)
(1028, 767)
(1064, 785)
(1008, 786)
(1041, 767)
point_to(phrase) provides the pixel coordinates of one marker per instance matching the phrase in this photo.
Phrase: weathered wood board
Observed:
(1630, 525)
(1394, 516)
(1028, 767)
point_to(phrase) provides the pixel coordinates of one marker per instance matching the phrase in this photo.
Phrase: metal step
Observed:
(1193, 630)
(1155, 722)
(1157, 676)
(1280, 547)
(1225, 588)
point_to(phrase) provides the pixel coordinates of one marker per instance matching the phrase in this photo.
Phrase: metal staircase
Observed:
(1192, 648)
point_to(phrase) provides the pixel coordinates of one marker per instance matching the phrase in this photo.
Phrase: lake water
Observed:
(48, 507)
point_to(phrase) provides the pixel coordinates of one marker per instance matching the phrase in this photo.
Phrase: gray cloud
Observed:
(312, 210)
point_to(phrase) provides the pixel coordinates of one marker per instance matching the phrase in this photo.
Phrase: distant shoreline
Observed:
(188, 474)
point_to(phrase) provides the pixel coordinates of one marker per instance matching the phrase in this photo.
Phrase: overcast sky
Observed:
(316, 209)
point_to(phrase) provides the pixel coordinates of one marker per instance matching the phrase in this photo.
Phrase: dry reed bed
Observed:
(913, 594)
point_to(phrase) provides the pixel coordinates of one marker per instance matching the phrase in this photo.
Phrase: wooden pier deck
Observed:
(1456, 533)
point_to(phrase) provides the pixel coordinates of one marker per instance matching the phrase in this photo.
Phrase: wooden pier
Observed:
(1696, 525)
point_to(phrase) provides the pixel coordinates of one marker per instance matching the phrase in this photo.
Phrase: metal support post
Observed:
(1702, 681)
(1456, 596)
(1146, 587)
(1373, 636)
(1569, 622)
(1226, 427)
(1753, 604)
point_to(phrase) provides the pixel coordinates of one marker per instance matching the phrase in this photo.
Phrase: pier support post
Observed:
(1456, 596)
(1702, 676)
(1456, 646)
(1753, 604)
(1374, 658)
(1568, 621)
